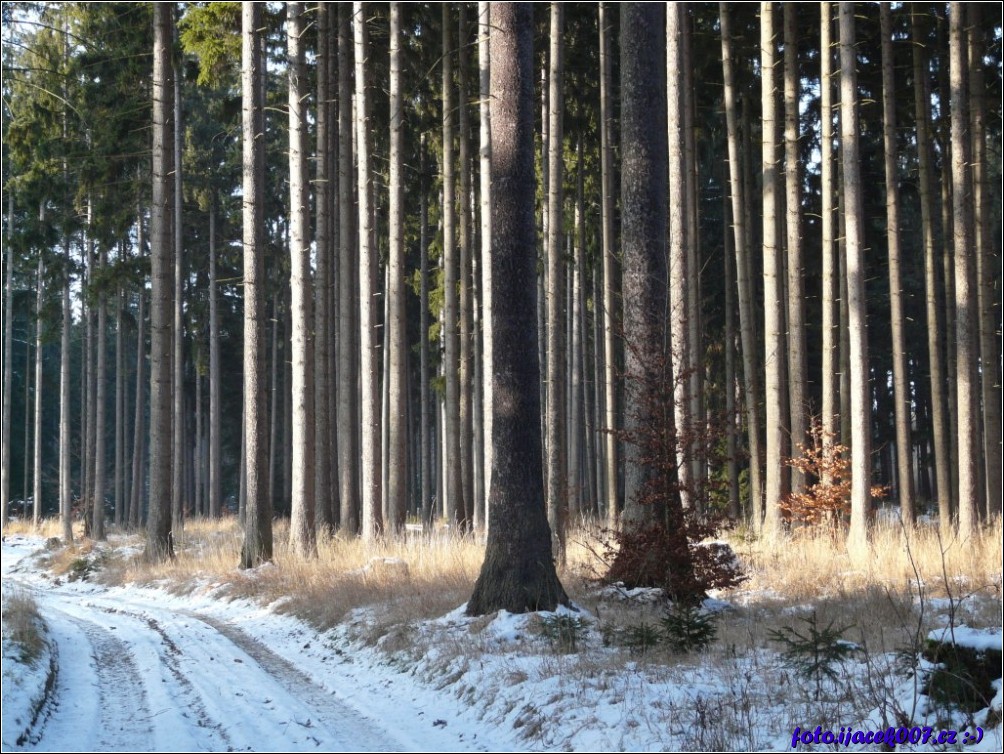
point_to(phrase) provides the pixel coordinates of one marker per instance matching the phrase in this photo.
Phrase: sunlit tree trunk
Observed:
(397, 459)
(680, 275)
(369, 342)
(966, 321)
(485, 154)
(609, 267)
(830, 294)
(857, 322)
(744, 283)
(773, 296)
(301, 525)
(466, 299)
(554, 420)
(798, 371)
(257, 547)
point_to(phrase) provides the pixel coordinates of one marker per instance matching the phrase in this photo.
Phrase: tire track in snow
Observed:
(364, 735)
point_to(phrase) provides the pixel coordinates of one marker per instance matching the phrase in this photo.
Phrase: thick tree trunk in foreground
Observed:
(518, 573)
(643, 199)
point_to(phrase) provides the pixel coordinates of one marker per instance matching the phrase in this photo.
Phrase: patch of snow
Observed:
(980, 639)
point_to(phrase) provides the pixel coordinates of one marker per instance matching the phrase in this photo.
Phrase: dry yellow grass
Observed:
(441, 570)
(810, 563)
(47, 527)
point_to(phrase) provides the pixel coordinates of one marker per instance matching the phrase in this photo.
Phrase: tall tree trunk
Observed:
(65, 481)
(466, 301)
(857, 322)
(398, 383)
(37, 455)
(89, 383)
(773, 295)
(903, 400)
(139, 435)
(643, 202)
(368, 320)
(575, 315)
(451, 364)
(323, 340)
(159, 544)
(100, 430)
(830, 295)
(178, 497)
(798, 371)
(966, 320)
(680, 274)
(120, 406)
(348, 317)
(554, 421)
(485, 154)
(731, 412)
(215, 459)
(985, 266)
(427, 420)
(301, 526)
(518, 572)
(744, 282)
(691, 223)
(8, 362)
(257, 547)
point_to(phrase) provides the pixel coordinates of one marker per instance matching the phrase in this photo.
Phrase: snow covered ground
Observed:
(138, 669)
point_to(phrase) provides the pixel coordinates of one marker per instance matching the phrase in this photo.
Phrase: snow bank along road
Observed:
(135, 673)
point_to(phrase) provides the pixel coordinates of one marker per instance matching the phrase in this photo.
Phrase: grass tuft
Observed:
(22, 626)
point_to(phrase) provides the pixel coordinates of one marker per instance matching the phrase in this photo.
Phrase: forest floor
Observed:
(367, 648)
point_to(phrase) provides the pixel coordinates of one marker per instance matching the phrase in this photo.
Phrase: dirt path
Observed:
(135, 677)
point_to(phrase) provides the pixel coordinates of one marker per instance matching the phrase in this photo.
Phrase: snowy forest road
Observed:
(129, 674)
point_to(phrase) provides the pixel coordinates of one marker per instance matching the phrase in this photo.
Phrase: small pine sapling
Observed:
(816, 653)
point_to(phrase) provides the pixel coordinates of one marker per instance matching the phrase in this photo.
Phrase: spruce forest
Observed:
(259, 279)
(370, 310)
